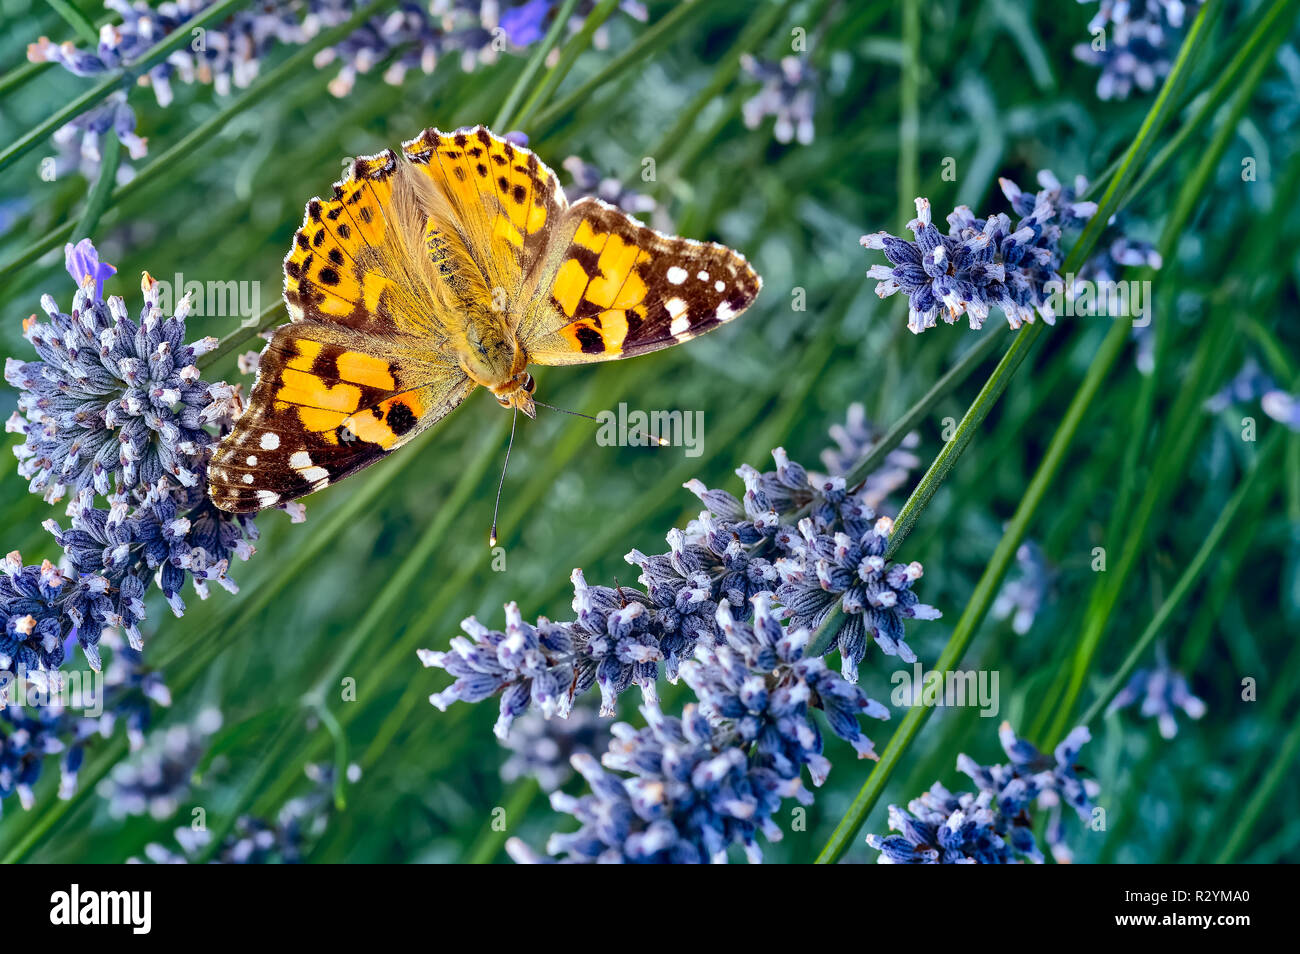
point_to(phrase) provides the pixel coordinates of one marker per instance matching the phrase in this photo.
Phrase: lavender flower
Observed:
(254, 841)
(179, 534)
(27, 739)
(757, 681)
(78, 142)
(541, 748)
(1021, 597)
(589, 181)
(110, 401)
(155, 781)
(691, 788)
(1030, 776)
(1163, 691)
(1250, 383)
(526, 665)
(114, 408)
(52, 726)
(982, 263)
(31, 607)
(854, 440)
(685, 796)
(789, 93)
(1132, 41)
(805, 538)
(1283, 408)
(229, 56)
(850, 572)
(943, 828)
(992, 825)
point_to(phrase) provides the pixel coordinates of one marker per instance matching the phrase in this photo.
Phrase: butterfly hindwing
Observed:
(621, 289)
(328, 401)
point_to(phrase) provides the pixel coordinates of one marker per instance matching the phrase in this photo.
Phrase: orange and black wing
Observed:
(615, 288)
(367, 360)
(328, 402)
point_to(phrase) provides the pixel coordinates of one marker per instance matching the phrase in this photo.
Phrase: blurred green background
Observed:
(391, 561)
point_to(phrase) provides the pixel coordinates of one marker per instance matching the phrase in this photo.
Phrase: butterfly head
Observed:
(518, 393)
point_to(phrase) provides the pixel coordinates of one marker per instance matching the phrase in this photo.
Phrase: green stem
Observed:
(1185, 582)
(970, 422)
(643, 47)
(20, 75)
(77, 20)
(489, 843)
(572, 50)
(507, 112)
(110, 159)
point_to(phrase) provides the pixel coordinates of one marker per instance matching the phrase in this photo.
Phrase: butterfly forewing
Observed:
(621, 289)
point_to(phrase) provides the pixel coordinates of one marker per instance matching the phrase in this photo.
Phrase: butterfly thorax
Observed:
(493, 359)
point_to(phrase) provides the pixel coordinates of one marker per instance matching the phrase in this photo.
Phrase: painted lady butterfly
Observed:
(457, 263)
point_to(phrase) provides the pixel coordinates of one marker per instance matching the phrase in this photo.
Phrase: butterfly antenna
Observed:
(496, 509)
(662, 442)
(564, 410)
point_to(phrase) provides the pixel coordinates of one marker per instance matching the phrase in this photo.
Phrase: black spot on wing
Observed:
(590, 340)
(400, 419)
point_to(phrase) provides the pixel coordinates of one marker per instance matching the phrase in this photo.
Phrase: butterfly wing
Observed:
(328, 401)
(612, 288)
(367, 361)
(493, 205)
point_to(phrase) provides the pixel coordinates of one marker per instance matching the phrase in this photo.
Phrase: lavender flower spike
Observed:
(524, 664)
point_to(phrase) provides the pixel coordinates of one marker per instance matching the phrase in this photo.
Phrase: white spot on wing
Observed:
(676, 275)
(299, 460)
(267, 498)
(677, 310)
(724, 312)
(251, 460)
(270, 440)
(720, 285)
(314, 474)
(248, 478)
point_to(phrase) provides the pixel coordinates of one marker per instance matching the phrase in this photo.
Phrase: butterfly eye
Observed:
(529, 384)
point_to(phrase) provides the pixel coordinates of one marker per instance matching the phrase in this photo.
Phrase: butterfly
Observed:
(451, 266)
